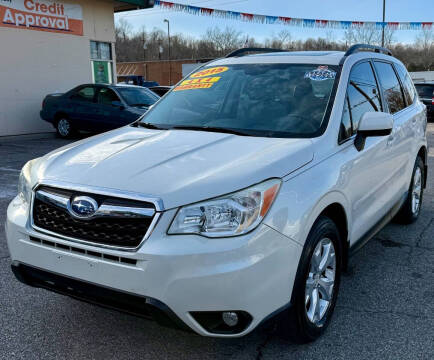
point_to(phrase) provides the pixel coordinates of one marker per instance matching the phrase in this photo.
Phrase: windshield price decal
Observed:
(210, 71)
(193, 86)
(204, 83)
(320, 74)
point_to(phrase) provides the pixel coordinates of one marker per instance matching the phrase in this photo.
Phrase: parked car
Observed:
(236, 199)
(161, 90)
(96, 108)
(426, 95)
(138, 80)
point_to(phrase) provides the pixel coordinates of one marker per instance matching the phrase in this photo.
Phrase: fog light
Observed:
(230, 318)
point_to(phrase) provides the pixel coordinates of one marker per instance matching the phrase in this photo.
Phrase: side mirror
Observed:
(373, 124)
(118, 104)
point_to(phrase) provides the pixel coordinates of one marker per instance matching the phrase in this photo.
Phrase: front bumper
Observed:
(45, 116)
(136, 305)
(184, 274)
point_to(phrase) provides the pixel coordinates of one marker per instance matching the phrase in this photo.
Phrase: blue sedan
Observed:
(96, 108)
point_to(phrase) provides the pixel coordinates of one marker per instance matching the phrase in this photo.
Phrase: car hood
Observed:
(178, 166)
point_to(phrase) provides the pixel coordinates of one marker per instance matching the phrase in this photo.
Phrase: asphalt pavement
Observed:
(385, 308)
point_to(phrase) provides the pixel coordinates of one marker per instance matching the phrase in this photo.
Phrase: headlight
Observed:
(24, 185)
(228, 215)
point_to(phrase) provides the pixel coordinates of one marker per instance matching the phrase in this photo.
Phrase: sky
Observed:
(350, 10)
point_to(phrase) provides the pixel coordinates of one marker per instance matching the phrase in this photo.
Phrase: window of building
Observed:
(100, 50)
(102, 62)
(391, 88)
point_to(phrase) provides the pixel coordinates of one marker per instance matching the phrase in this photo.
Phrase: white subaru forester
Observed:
(238, 197)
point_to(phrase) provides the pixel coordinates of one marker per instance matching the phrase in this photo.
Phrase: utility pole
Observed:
(170, 64)
(144, 47)
(383, 25)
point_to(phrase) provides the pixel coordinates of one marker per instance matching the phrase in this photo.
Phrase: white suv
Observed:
(239, 196)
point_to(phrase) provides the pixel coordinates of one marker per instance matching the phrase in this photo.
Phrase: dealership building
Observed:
(52, 46)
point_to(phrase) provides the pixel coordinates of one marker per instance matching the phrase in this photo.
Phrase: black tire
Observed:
(408, 213)
(294, 324)
(64, 128)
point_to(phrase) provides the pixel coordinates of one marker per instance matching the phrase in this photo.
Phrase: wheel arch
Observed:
(337, 214)
(59, 115)
(335, 206)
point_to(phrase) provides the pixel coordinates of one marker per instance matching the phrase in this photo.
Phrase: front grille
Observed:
(109, 230)
(80, 251)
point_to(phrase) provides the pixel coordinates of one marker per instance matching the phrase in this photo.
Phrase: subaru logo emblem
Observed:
(83, 207)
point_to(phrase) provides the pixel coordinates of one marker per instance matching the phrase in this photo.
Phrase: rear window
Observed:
(425, 91)
(274, 100)
(84, 94)
(407, 84)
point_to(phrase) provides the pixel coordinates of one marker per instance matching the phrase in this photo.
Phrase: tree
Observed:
(283, 40)
(217, 42)
(224, 41)
(425, 44)
(368, 35)
(123, 29)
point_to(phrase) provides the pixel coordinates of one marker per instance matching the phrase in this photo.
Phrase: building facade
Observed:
(422, 76)
(161, 71)
(52, 46)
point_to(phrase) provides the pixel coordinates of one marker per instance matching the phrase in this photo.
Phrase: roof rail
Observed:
(358, 47)
(244, 51)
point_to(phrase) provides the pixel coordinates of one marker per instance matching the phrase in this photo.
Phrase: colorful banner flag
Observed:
(281, 20)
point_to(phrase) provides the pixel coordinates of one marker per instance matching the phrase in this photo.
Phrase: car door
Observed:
(82, 107)
(112, 111)
(401, 141)
(369, 171)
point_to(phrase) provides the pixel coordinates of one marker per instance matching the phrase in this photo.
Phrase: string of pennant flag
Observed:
(282, 20)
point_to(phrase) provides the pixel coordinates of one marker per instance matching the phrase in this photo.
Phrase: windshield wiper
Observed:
(210, 129)
(149, 126)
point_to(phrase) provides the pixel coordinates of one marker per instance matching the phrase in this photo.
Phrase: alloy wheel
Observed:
(320, 281)
(416, 191)
(64, 127)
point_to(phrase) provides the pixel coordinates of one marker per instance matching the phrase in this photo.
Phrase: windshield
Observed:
(274, 100)
(135, 96)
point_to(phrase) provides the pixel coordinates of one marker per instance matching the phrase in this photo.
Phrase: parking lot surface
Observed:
(385, 308)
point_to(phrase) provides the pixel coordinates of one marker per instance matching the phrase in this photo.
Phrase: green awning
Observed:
(125, 5)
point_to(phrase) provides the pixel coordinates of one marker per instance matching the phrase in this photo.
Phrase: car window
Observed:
(425, 91)
(391, 88)
(346, 130)
(407, 84)
(363, 94)
(137, 96)
(107, 96)
(85, 94)
(362, 73)
(268, 100)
